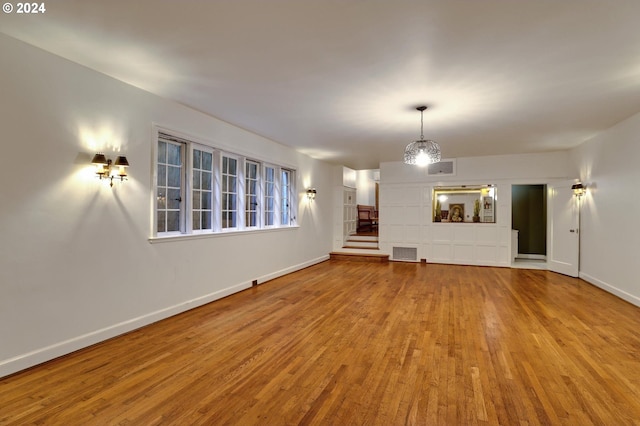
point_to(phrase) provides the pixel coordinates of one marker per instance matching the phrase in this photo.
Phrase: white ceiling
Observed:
(340, 79)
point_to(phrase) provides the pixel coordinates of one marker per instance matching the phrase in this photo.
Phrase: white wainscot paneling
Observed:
(504, 256)
(402, 195)
(441, 232)
(505, 235)
(425, 233)
(395, 234)
(463, 232)
(440, 253)
(486, 254)
(412, 234)
(463, 253)
(487, 234)
(411, 214)
(427, 196)
(393, 196)
(425, 252)
(425, 214)
(411, 194)
(395, 215)
(466, 243)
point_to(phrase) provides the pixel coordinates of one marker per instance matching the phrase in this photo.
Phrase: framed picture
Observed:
(487, 203)
(456, 212)
(487, 210)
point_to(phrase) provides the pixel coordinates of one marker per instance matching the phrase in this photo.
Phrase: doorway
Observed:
(529, 219)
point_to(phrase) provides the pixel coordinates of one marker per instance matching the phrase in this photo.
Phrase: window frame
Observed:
(257, 195)
(189, 145)
(287, 194)
(273, 194)
(190, 188)
(182, 191)
(225, 155)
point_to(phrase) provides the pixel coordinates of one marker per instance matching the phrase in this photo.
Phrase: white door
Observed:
(563, 212)
(350, 214)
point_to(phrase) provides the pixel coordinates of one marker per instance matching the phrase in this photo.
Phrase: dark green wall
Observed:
(529, 216)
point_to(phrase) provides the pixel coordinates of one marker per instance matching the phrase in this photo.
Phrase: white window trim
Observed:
(183, 209)
(183, 237)
(276, 211)
(292, 195)
(186, 207)
(189, 188)
(259, 209)
(239, 224)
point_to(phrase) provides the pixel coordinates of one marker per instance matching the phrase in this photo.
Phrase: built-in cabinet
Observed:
(410, 210)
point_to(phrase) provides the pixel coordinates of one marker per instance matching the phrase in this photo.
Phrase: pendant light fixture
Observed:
(422, 152)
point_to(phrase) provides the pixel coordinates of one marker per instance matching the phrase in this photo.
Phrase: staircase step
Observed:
(359, 257)
(361, 243)
(354, 246)
(362, 238)
(358, 241)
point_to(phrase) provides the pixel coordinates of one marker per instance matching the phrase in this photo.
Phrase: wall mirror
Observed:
(464, 204)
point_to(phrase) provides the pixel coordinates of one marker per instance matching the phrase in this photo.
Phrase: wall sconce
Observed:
(103, 167)
(311, 193)
(578, 189)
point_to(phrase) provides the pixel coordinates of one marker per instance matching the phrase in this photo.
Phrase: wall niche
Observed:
(464, 204)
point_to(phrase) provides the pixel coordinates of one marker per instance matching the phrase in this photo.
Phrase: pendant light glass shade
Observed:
(422, 152)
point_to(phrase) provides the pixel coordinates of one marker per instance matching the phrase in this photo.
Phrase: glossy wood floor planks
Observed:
(351, 343)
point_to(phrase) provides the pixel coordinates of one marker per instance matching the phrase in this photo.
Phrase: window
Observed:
(251, 193)
(169, 187)
(285, 197)
(202, 192)
(200, 189)
(269, 196)
(229, 192)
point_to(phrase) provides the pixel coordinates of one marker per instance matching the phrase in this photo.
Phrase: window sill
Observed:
(184, 237)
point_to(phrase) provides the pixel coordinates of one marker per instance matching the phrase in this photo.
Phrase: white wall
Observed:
(366, 187)
(76, 266)
(610, 210)
(406, 205)
(349, 177)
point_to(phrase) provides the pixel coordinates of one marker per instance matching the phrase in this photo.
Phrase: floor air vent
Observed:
(405, 253)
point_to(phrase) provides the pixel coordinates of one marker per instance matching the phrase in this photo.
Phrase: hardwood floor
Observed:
(359, 343)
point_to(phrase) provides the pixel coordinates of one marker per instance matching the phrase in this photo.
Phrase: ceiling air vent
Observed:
(444, 167)
(405, 253)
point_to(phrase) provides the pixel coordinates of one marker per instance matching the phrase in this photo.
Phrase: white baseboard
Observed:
(635, 300)
(291, 269)
(38, 356)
